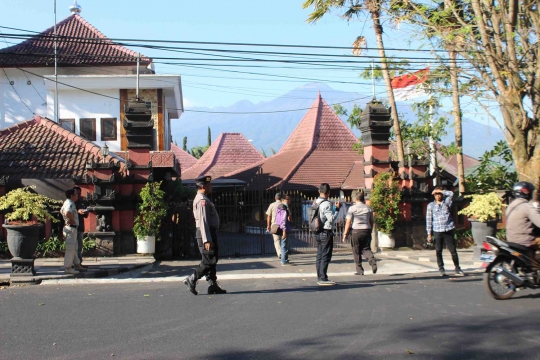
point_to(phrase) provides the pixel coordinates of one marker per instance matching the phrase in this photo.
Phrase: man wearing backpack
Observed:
(283, 219)
(271, 220)
(326, 214)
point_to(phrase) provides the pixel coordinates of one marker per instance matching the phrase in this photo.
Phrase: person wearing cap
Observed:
(440, 227)
(207, 223)
(360, 216)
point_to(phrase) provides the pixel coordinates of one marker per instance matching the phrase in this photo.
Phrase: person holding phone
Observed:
(82, 211)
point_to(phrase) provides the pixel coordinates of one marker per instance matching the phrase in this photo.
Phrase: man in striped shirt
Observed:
(440, 227)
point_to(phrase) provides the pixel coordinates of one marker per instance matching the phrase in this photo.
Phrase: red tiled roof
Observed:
(79, 44)
(450, 164)
(186, 160)
(320, 149)
(229, 152)
(40, 149)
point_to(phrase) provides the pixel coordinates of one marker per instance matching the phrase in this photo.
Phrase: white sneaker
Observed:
(71, 271)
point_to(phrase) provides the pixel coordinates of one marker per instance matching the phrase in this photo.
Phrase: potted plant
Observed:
(151, 211)
(27, 211)
(384, 200)
(484, 211)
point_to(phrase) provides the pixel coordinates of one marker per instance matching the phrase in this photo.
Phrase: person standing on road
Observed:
(207, 224)
(328, 214)
(284, 223)
(82, 212)
(271, 220)
(440, 227)
(361, 217)
(72, 265)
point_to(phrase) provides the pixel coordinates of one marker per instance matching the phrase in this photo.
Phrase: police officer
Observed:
(207, 223)
(361, 217)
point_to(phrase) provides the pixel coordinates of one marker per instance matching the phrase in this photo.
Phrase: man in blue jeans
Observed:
(325, 239)
(440, 227)
(286, 227)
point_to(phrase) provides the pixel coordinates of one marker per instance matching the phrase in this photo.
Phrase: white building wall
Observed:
(20, 101)
(77, 104)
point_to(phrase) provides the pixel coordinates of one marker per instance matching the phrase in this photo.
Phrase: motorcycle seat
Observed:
(518, 247)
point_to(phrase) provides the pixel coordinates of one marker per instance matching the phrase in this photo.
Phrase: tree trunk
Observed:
(388, 82)
(457, 120)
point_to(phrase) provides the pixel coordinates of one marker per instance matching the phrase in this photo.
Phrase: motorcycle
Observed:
(509, 268)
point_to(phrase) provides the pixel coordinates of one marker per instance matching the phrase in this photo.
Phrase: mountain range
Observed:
(268, 124)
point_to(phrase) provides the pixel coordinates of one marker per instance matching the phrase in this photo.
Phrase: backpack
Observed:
(281, 215)
(315, 222)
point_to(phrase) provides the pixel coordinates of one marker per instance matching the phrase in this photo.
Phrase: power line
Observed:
(198, 111)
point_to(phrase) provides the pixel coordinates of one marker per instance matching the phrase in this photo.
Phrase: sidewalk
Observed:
(390, 262)
(53, 268)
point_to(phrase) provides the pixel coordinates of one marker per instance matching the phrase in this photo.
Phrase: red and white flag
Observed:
(409, 86)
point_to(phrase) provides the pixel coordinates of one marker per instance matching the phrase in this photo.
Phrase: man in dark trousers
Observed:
(328, 213)
(361, 217)
(82, 210)
(440, 227)
(207, 223)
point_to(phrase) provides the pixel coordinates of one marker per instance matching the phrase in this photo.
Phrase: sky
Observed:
(211, 79)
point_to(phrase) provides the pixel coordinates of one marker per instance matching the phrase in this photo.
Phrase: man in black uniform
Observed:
(207, 223)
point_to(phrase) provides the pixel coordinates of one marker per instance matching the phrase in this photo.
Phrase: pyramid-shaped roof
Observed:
(185, 159)
(229, 152)
(41, 149)
(79, 44)
(319, 150)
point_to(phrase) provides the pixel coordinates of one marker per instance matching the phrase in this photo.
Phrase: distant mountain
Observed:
(270, 123)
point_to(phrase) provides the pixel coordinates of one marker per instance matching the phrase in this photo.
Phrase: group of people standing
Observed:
(359, 217)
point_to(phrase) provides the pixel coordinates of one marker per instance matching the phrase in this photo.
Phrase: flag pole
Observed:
(373, 78)
(56, 117)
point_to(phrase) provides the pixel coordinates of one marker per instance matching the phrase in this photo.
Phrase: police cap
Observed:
(201, 180)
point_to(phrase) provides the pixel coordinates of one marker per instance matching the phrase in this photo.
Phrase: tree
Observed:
(353, 8)
(184, 145)
(209, 137)
(499, 42)
(495, 172)
(198, 151)
(263, 152)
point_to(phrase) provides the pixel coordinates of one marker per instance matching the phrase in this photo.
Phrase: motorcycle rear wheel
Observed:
(498, 286)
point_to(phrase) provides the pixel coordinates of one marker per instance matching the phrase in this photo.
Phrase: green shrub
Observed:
(52, 244)
(483, 207)
(88, 244)
(384, 200)
(25, 204)
(151, 211)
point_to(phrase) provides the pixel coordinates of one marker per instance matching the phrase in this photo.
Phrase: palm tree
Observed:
(354, 8)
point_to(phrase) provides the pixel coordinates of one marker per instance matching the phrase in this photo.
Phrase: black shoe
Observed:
(459, 272)
(359, 273)
(191, 283)
(374, 267)
(215, 289)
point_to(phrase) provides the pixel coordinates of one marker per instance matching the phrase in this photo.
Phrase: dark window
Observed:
(88, 128)
(108, 129)
(68, 124)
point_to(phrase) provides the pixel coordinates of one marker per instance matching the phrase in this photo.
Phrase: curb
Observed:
(37, 279)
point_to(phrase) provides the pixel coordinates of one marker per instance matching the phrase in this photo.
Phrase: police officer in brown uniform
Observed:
(207, 223)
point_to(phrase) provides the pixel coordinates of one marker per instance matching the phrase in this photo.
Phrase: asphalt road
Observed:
(386, 317)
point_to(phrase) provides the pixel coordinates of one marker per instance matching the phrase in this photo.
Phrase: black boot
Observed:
(191, 282)
(373, 263)
(214, 288)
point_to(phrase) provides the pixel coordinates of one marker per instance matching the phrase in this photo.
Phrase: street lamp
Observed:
(104, 151)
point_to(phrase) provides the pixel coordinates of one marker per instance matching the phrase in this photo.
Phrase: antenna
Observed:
(55, 69)
(373, 78)
(138, 67)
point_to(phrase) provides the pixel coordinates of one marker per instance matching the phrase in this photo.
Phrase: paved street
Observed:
(373, 317)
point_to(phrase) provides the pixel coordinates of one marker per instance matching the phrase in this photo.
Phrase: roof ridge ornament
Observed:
(75, 9)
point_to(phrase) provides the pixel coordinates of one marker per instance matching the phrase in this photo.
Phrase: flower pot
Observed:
(480, 230)
(386, 240)
(146, 244)
(22, 240)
